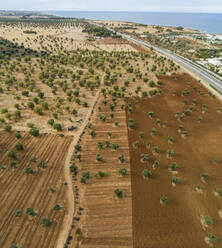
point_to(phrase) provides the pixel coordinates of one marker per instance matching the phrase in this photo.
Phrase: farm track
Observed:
(68, 223)
(33, 193)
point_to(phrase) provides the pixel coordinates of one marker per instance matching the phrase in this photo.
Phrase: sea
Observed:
(205, 22)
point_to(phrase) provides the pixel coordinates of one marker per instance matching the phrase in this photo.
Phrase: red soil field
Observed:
(19, 191)
(177, 224)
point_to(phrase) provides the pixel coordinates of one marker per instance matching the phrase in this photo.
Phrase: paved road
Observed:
(202, 74)
(182, 61)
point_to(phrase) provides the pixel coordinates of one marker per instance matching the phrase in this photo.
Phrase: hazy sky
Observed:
(109, 5)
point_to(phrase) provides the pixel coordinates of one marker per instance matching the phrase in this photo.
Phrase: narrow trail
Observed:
(70, 196)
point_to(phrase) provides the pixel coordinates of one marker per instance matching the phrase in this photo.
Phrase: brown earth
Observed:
(19, 191)
(179, 223)
(106, 221)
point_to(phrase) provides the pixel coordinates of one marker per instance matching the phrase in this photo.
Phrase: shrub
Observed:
(86, 175)
(82, 180)
(170, 139)
(156, 150)
(18, 135)
(141, 134)
(12, 164)
(173, 167)
(218, 192)
(205, 176)
(153, 131)
(17, 213)
(57, 207)
(99, 157)
(30, 212)
(144, 157)
(38, 110)
(34, 132)
(93, 134)
(107, 142)
(207, 220)
(45, 105)
(57, 126)
(170, 153)
(212, 238)
(130, 123)
(121, 159)
(13, 246)
(100, 174)
(51, 122)
(78, 147)
(25, 93)
(33, 159)
(29, 171)
(41, 164)
(55, 115)
(216, 160)
(109, 134)
(145, 80)
(136, 144)
(73, 169)
(175, 180)
(8, 128)
(164, 200)
(11, 155)
(100, 145)
(118, 193)
(78, 231)
(148, 144)
(30, 105)
(156, 164)
(146, 174)
(115, 146)
(19, 147)
(152, 84)
(4, 110)
(74, 112)
(123, 172)
(45, 222)
(52, 190)
(30, 124)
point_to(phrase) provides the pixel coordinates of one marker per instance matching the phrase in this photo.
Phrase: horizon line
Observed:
(133, 11)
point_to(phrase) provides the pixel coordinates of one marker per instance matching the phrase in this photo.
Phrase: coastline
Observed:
(205, 22)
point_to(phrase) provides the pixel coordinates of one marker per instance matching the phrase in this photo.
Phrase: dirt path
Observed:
(70, 196)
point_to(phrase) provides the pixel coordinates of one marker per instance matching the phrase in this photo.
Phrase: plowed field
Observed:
(178, 224)
(19, 191)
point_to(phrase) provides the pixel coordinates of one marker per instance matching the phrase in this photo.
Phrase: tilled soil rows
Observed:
(106, 221)
(20, 191)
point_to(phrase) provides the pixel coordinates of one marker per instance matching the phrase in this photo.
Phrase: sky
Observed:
(214, 6)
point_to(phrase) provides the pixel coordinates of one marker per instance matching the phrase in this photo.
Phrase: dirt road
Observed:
(70, 196)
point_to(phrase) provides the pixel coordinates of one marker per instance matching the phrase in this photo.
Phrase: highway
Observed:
(201, 73)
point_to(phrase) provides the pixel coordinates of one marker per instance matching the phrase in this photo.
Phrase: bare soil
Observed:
(106, 221)
(19, 191)
(179, 223)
